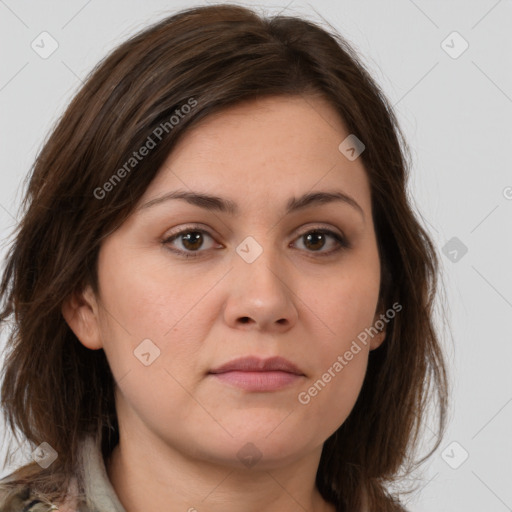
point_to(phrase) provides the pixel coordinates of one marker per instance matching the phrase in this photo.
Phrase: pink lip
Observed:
(254, 374)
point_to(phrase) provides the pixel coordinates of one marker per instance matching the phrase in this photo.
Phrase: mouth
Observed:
(254, 374)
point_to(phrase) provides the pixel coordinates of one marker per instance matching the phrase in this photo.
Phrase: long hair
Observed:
(54, 389)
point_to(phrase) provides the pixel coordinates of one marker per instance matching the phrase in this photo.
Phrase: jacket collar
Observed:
(100, 495)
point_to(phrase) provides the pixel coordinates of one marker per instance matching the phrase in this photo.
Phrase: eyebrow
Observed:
(220, 204)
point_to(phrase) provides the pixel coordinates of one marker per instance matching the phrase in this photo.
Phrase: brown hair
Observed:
(56, 390)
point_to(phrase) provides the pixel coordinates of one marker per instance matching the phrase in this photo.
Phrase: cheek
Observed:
(346, 304)
(147, 294)
(331, 392)
(329, 399)
(144, 299)
(150, 318)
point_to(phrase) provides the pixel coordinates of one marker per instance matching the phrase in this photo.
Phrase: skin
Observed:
(180, 428)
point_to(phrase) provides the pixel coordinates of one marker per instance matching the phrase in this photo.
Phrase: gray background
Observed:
(455, 111)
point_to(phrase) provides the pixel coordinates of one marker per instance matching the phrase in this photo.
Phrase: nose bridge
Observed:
(259, 263)
(259, 292)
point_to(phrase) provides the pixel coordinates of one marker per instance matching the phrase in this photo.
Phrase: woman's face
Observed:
(189, 285)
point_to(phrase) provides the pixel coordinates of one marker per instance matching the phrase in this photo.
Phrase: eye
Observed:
(192, 240)
(316, 239)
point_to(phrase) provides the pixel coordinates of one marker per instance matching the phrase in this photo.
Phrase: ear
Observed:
(379, 338)
(80, 310)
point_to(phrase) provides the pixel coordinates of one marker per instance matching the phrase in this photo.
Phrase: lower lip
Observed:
(258, 381)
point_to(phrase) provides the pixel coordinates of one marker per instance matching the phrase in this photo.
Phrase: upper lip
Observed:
(255, 364)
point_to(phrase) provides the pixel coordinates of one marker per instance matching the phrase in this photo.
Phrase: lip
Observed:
(255, 364)
(255, 374)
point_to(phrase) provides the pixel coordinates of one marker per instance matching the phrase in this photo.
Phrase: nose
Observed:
(260, 295)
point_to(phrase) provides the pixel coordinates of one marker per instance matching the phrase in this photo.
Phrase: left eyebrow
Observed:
(224, 205)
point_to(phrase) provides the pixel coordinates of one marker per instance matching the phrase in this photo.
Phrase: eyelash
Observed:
(343, 243)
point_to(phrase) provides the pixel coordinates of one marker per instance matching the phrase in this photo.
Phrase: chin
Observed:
(257, 450)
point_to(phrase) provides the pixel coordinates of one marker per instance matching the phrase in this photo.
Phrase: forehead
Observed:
(264, 150)
(306, 125)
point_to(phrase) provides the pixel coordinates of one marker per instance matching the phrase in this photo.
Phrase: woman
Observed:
(222, 298)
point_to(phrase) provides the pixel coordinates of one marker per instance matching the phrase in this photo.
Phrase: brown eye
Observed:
(314, 241)
(190, 241)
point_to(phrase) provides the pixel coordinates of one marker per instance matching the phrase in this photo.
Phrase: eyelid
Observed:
(320, 227)
(341, 239)
(184, 230)
(343, 242)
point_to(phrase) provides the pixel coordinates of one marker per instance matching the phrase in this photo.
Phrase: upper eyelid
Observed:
(340, 238)
(199, 228)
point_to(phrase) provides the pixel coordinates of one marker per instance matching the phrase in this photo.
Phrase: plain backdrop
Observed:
(446, 68)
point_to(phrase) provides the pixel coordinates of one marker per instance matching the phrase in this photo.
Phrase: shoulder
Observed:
(19, 498)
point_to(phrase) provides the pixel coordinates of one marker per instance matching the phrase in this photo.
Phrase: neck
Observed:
(164, 479)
